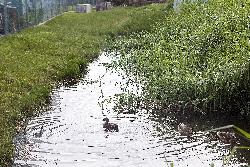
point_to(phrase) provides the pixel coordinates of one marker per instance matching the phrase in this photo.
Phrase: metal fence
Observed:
(177, 3)
(19, 14)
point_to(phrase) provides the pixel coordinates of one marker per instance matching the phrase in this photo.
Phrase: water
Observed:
(72, 133)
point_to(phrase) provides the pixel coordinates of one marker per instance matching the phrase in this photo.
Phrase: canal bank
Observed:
(37, 59)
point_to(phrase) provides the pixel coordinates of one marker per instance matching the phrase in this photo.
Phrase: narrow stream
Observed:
(70, 133)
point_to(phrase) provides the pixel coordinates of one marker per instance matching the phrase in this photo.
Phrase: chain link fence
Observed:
(19, 14)
(177, 3)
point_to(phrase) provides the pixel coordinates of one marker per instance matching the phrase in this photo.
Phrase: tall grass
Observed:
(33, 61)
(197, 55)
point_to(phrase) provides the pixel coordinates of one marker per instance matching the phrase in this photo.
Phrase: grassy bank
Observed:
(33, 61)
(197, 57)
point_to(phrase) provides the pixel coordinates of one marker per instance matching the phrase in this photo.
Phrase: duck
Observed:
(110, 126)
(40, 133)
(226, 137)
(185, 130)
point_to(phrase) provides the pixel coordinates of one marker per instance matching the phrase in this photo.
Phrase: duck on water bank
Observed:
(185, 130)
(110, 126)
(226, 137)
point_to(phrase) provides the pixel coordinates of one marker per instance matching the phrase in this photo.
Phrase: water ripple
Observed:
(72, 133)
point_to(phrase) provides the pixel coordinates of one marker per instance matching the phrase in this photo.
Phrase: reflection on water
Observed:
(70, 133)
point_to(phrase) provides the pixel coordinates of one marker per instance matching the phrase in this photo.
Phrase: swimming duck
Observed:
(110, 126)
(184, 129)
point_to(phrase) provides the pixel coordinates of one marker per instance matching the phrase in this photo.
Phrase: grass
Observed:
(198, 55)
(35, 60)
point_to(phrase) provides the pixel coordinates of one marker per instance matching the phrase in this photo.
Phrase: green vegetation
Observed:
(33, 61)
(196, 56)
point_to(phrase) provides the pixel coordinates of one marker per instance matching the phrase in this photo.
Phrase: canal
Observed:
(70, 132)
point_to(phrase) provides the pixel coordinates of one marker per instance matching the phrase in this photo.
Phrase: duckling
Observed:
(110, 126)
(40, 133)
(184, 130)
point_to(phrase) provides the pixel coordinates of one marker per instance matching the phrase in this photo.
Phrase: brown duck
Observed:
(40, 133)
(226, 137)
(184, 130)
(110, 126)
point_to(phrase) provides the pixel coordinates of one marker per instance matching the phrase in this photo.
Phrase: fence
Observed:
(143, 2)
(177, 3)
(18, 14)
